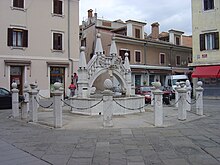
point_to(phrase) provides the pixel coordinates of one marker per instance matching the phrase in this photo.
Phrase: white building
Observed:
(39, 42)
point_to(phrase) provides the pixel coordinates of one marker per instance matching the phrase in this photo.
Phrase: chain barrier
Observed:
(127, 107)
(44, 97)
(82, 108)
(171, 105)
(193, 100)
(42, 105)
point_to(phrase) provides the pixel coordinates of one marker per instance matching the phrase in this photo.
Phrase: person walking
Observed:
(72, 88)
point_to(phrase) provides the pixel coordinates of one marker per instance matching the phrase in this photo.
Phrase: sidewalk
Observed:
(133, 140)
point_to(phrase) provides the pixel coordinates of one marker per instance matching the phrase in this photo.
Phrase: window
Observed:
(177, 60)
(162, 58)
(208, 4)
(57, 41)
(209, 41)
(137, 56)
(122, 54)
(17, 37)
(137, 33)
(58, 7)
(177, 40)
(18, 3)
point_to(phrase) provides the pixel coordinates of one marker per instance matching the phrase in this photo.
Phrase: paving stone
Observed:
(175, 162)
(214, 151)
(80, 161)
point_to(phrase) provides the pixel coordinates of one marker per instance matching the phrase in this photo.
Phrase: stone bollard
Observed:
(57, 107)
(158, 105)
(132, 90)
(37, 96)
(199, 99)
(15, 101)
(152, 95)
(182, 102)
(188, 95)
(33, 103)
(25, 103)
(107, 104)
(177, 94)
(84, 92)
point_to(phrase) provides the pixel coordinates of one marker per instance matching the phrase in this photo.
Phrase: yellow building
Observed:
(206, 54)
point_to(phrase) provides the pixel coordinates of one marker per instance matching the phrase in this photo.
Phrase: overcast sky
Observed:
(170, 14)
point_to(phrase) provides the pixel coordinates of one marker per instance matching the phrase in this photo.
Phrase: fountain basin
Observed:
(94, 106)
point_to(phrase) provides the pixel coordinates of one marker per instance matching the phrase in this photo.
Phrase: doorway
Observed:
(57, 74)
(16, 76)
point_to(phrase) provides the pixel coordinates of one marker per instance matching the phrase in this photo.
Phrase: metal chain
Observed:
(175, 102)
(42, 105)
(44, 97)
(194, 100)
(82, 108)
(127, 107)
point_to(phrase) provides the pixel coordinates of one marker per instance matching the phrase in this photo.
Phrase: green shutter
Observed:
(202, 42)
(25, 38)
(216, 38)
(10, 36)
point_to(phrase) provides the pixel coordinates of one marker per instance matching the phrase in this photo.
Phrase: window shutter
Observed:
(60, 6)
(10, 36)
(202, 42)
(54, 41)
(22, 3)
(216, 38)
(55, 6)
(25, 38)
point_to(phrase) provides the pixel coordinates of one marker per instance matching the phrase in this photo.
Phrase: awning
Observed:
(206, 72)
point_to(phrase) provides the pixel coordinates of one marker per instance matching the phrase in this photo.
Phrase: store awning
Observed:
(206, 72)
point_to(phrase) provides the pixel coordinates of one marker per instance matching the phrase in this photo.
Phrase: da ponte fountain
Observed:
(89, 100)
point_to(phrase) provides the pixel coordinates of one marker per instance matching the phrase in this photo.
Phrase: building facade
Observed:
(152, 57)
(206, 54)
(39, 42)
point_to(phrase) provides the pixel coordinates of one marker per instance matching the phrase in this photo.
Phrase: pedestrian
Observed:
(72, 88)
(75, 79)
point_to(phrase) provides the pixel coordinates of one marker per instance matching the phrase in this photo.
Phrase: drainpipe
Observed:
(68, 32)
(145, 53)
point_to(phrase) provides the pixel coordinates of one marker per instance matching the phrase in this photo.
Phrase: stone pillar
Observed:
(177, 94)
(132, 90)
(158, 105)
(25, 104)
(57, 111)
(37, 96)
(199, 98)
(84, 92)
(188, 95)
(182, 102)
(107, 104)
(152, 94)
(33, 103)
(15, 100)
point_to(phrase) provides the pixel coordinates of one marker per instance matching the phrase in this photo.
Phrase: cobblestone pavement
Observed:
(195, 142)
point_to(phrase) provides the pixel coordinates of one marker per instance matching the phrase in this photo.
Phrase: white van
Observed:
(170, 81)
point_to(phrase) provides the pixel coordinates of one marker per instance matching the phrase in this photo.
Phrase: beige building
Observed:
(152, 57)
(206, 54)
(39, 42)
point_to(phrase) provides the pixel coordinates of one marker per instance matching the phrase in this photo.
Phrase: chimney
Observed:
(90, 13)
(155, 30)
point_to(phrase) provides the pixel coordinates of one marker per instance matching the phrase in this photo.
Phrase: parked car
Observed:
(167, 95)
(145, 91)
(6, 99)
